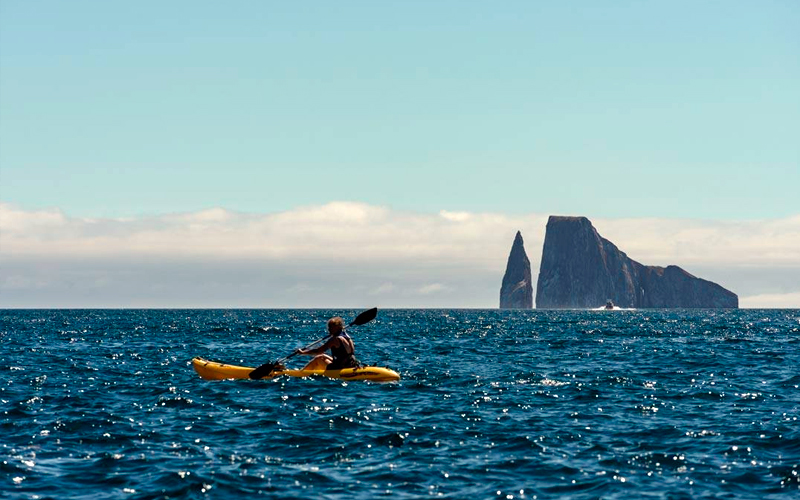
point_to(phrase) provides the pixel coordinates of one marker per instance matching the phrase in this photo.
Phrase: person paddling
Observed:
(341, 346)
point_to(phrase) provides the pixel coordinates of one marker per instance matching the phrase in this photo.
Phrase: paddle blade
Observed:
(262, 371)
(365, 317)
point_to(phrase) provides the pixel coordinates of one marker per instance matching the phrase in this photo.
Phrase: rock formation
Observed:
(580, 269)
(517, 289)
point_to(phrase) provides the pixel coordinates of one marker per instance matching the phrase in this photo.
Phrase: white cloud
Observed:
(383, 289)
(16, 220)
(772, 300)
(346, 252)
(455, 216)
(338, 231)
(433, 288)
(686, 242)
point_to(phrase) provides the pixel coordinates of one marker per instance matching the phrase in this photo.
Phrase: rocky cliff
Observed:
(581, 269)
(517, 289)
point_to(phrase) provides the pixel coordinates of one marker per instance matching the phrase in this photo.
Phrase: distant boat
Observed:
(611, 307)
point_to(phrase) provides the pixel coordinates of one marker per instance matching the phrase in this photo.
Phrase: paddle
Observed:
(267, 368)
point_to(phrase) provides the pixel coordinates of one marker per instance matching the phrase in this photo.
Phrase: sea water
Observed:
(102, 404)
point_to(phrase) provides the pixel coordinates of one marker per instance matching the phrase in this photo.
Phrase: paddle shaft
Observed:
(297, 351)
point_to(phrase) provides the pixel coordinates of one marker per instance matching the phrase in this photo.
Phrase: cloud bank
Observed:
(347, 254)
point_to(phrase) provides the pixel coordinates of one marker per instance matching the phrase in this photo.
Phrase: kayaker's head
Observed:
(335, 325)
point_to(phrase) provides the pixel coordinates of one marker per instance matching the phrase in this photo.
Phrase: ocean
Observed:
(663, 404)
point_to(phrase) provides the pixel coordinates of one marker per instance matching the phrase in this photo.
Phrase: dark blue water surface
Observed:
(492, 404)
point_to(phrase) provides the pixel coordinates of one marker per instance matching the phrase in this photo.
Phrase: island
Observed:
(580, 269)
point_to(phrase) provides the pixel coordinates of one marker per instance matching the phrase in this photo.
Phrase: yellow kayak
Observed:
(211, 370)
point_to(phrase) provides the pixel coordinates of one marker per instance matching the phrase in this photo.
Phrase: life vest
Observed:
(342, 356)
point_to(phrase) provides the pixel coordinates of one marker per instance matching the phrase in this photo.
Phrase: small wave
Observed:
(274, 330)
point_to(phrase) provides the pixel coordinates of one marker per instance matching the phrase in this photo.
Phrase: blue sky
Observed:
(608, 109)
(343, 154)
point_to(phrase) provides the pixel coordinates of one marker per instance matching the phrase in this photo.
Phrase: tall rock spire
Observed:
(517, 289)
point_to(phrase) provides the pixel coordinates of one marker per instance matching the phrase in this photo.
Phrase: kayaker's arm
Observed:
(319, 350)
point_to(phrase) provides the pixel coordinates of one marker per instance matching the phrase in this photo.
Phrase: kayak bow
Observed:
(211, 370)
